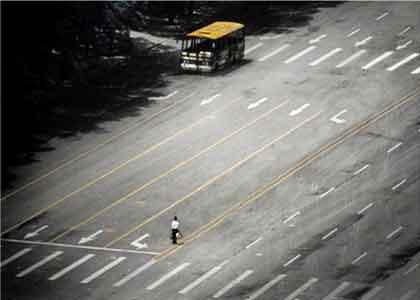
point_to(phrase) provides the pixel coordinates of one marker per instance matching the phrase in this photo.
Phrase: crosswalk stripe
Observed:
(39, 264)
(326, 56)
(302, 288)
(266, 287)
(416, 71)
(371, 293)
(301, 53)
(231, 284)
(134, 273)
(404, 61)
(202, 278)
(103, 270)
(377, 60)
(274, 52)
(408, 295)
(338, 290)
(71, 267)
(253, 48)
(14, 257)
(351, 58)
(167, 276)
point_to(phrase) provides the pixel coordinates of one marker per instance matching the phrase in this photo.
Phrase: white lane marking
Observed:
(292, 260)
(137, 243)
(209, 100)
(351, 58)
(411, 269)
(353, 32)
(274, 52)
(163, 97)
(253, 243)
(394, 232)
(394, 147)
(81, 247)
(292, 217)
(361, 170)
(326, 56)
(134, 273)
(271, 37)
(333, 295)
(363, 42)
(403, 62)
(253, 48)
(266, 287)
(316, 40)
(301, 289)
(408, 295)
(327, 192)
(167, 276)
(71, 267)
(382, 16)
(404, 31)
(15, 256)
(365, 208)
(301, 53)
(403, 46)
(299, 110)
(416, 71)
(35, 233)
(335, 118)
(202, 278)
(377, 60)
(371, 293)
(357, 259)
(103, 270)
(39, 264)
(330, 233)
(231, 284)
(91, 237)
(257, 103)
(399, 184)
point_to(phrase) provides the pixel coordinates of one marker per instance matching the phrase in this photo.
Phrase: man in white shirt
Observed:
(175, 230)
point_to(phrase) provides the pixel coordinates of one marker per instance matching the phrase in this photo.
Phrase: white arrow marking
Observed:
(253, 48)
(335, 118)
(257, 103)
(299, 110)
(316, 40)
(377, 60)
(416, 71)
(163, 97)
(362, 42)
(91, 237)
(404, 45)
(382, 16)
(353, 32)
(137, 243)
(209, 100)
(403, 62)
(351, 58)
(404, 31)
(35, 233)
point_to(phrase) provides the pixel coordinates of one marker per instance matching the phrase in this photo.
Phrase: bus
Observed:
(213, 47)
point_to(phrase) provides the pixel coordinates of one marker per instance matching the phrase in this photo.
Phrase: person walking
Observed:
(175, 230)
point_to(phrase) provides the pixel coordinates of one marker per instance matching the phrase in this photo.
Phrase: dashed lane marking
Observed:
(377, 60)
(404, 31)
(300, 54)
(395, 187)
(357, 259)
(210, 100)
(353, 32)
(291, 217)
(371, 293)
(351, 58)
(394, 232)
(365, 208)
(394, 147)
(382, 16)
(15, 256)
(71, 267)
(361, 170)
(333, 295)
(167, 276)
(408, 295)
(253, 48)
(103, 270)
(325, 57)
(253, 243)
(403, 62)
(39, 264)
(327, 192)
(329, 234)
(163, 97)
(292, 260)
(411, 269)
(233, 283)
(266, 287)
(274, 52)
(301, 289)
(135, 273)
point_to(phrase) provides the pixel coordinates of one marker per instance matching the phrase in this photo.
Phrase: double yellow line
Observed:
(357, 128)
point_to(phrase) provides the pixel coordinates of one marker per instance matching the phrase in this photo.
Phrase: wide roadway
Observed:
(294, 175)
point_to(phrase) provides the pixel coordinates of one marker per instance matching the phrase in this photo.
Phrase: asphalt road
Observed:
(294, 176)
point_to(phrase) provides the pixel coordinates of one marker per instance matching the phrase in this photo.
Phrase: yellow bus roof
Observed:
(215, 30)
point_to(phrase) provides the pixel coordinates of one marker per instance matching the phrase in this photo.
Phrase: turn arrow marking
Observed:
(137, 243)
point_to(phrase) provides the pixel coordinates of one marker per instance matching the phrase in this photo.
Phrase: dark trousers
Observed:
(174, 234)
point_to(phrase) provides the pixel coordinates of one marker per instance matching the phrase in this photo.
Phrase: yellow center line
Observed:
(290, 172)
(138, 156)
(168, 172)
(81, 155)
